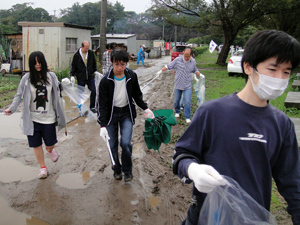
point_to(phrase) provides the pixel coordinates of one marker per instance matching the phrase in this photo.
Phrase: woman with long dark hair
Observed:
(42, 111)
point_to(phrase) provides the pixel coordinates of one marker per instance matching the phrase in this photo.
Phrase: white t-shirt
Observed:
(120, 98)
(41, 108)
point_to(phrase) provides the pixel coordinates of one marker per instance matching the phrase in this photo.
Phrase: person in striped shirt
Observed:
(184, 65)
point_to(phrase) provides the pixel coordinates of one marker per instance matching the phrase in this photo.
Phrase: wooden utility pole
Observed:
(103, 29)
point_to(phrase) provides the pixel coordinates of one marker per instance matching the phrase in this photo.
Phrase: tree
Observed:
(22, 12)
(283, 20)
(231, 16)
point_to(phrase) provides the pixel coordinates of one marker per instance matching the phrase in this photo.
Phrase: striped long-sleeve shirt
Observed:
(106, 61)
(183, 78)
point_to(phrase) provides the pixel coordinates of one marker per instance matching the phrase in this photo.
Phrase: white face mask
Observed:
(269, 88)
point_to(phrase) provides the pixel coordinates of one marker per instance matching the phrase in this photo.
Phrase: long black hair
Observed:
(36, 76)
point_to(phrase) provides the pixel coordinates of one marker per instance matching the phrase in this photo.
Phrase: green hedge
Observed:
(199, 50)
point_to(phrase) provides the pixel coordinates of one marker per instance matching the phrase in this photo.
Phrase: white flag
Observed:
(212, 46)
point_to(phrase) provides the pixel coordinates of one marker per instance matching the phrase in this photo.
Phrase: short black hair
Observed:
(107, 46)
(118, 55)
(265, 44)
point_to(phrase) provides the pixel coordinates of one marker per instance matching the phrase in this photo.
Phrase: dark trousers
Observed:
(121, 119)
(92, 88)
(192, 216)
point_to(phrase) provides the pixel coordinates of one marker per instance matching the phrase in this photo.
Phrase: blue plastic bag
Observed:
(230, 204)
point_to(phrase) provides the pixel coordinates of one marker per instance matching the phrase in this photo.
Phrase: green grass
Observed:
(8, 87)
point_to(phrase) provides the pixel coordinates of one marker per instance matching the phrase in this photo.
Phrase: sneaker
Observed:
(187, 120)
(53, 155)
(177, 115)
(181, 108)
(128, 177)
(94, 110)
(118, 175)
(43, 173)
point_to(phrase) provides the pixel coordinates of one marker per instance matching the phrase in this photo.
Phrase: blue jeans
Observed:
(121, 117)
(187, 94)
(181, 99)
(138, 60)
(91, 85)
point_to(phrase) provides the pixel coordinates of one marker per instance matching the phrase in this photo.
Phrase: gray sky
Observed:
(50, 5)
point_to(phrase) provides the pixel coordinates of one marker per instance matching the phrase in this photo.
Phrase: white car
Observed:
(234, 63)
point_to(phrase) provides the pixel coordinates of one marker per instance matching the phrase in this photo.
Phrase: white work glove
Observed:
(104, 134)
(195, 78)
(202, 76)
(149, 114)
(159, 73)
(205, 177)
(66, 81)
(72, 79)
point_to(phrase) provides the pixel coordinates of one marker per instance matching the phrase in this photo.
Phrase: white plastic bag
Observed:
(98, 77)
(78, 94)
(230, 204)
(199, 88)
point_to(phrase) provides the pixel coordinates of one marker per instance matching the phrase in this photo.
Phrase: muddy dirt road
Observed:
(80, 188)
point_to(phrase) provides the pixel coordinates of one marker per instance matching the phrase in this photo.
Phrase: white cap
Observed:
(144, 45)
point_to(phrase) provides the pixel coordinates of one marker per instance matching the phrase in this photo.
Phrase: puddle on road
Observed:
(14, 217)
(137, 151)
(2, 149)
(75, 180)
(153, 202)
(13, 170)
(10, 126)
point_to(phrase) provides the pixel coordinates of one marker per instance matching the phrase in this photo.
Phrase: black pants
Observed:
(92, 88)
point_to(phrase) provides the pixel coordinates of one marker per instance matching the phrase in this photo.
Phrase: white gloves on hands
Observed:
(205, 177)
(66, 81)
(72, 79)
(159, 73)
(104, 134)
(195, 78)
(149, 114)
(202, 76)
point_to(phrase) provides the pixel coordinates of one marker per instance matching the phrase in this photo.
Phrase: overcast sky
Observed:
(50, 5)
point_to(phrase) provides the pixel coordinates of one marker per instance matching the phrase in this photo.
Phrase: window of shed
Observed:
(71, 44)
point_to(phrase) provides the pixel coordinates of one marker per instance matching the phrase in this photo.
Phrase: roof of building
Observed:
(48, 24)
(118, 36)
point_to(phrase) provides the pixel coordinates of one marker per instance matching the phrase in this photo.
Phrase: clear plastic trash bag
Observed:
(230, 204)
(199, 88)
(98, 77)
(76, 93)
(84, 111)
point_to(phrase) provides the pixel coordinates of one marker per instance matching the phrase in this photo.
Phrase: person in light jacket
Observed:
(42, 111)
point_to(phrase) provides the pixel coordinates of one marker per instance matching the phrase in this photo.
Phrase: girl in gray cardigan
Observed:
(42, 111)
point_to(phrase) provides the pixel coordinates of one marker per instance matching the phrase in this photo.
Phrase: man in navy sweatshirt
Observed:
(242, 135)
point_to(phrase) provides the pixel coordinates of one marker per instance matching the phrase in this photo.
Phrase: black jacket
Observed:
(106, 96)
(79, 69)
